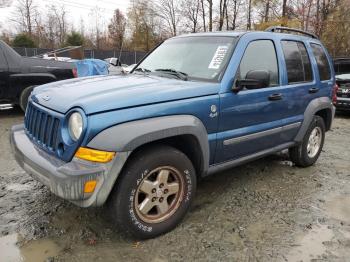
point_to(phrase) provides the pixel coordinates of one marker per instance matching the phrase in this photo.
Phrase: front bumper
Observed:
(66, 180)
(343, 103)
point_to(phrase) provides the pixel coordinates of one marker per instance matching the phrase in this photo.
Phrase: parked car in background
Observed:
(341, 65)
(196, 105)
(343, 92)
(115, 66)
(342, 71)
(128, 69)
(19, 75)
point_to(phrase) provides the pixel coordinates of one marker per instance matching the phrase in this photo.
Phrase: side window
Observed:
(297, 62)
(322, 62)
(259, 55)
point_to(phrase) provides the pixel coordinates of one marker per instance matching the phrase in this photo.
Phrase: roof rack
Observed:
(282, 28)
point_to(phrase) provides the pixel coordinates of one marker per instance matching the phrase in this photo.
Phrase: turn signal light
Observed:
(89, 186)
(94, 155)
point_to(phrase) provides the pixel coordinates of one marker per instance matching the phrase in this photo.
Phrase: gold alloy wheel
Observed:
(314, 143)
(159, 194)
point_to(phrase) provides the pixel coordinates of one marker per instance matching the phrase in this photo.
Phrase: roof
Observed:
(240, 33)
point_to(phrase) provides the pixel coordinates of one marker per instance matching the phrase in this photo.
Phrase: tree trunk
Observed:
(210, 15)
(203, 16)
(249, 22)
(284, 13)
(267, 10)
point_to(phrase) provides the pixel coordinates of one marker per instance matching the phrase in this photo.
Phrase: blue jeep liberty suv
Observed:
(196, 105)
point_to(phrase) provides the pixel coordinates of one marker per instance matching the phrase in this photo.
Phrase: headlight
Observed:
(75, 126)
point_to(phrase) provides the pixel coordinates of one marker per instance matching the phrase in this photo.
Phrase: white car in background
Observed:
(128, 69)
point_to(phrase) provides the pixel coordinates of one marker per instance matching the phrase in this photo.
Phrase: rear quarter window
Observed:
(322, 62)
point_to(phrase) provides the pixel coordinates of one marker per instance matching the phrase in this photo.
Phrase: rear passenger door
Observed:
(300, 85)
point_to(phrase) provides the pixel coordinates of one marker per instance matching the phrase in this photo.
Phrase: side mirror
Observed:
(255, 79)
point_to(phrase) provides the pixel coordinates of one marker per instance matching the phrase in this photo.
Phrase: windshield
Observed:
(197, 58)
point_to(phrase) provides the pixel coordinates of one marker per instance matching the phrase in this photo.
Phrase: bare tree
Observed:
(61, 19)
(284, 11)
(24, 13)
(222, 13)
(210, 11)
(234, 7)
(168, 10)
(203, 15)
(191, 9)
(249, 15)
(116, 29)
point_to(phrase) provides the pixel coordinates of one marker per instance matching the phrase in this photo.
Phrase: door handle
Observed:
(275, 97)
(313, 90)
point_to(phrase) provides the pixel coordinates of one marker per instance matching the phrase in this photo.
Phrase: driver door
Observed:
(250, 120)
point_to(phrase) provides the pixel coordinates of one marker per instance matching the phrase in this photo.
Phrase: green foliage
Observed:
(74, 39)
(23, 40)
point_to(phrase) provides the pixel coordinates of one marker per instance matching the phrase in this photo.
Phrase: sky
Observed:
(77, 9)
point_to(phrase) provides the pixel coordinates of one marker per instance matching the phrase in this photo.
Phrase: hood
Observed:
(102, 93)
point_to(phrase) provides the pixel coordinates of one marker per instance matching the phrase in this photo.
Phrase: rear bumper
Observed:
(66, 180)
(343, 103)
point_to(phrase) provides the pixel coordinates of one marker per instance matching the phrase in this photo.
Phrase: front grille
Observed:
(42, 127)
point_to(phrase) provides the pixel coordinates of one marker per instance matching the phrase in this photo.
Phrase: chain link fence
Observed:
(126, 57)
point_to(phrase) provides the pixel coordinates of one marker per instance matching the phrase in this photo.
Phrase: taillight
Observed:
(75, 72)
(334, 94)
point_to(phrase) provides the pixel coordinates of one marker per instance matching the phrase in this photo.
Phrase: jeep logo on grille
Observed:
(46, 98)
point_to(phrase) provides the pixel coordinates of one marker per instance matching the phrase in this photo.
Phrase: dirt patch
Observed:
(268, 210)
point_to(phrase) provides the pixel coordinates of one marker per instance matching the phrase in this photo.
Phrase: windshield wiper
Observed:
(143, 70)
(179, 74)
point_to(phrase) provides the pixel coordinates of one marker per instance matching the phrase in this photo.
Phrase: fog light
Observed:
(94, 155)
(89, 186)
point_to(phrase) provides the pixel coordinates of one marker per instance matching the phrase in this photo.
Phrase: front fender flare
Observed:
(128, 136)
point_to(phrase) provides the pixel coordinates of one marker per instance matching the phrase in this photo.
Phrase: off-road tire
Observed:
(23, 99)
(299, 154)
(122, 204)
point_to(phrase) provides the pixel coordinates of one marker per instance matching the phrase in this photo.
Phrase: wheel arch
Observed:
(183, 132)
(322, 107)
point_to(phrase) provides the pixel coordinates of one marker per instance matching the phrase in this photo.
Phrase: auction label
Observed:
(218, 57)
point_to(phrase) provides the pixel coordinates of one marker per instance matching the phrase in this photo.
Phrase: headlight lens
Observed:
(75, 126)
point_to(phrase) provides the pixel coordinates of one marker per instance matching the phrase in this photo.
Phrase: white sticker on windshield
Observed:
(218, 57)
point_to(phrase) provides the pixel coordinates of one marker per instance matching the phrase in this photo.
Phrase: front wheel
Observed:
(307, 153)
(23, 99)
(154, 192)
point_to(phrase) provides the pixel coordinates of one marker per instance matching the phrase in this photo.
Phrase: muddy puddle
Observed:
(12, 250)
(310, 246)
(338, 207)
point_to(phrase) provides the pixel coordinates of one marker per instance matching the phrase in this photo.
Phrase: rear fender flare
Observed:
(311, 110)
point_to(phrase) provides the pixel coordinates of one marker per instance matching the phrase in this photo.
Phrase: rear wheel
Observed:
(23, 99)
(154, 192)
(307, 153)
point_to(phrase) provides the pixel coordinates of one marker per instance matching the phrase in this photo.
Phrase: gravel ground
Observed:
(268, 210)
